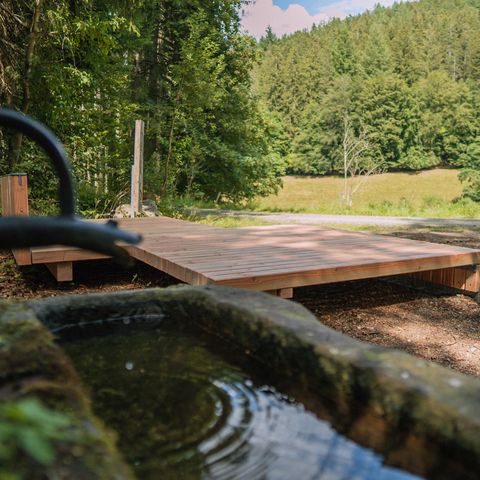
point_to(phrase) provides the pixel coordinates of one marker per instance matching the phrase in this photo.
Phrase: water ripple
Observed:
(182, 412)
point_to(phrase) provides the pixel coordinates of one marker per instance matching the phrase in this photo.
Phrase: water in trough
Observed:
(183, 408)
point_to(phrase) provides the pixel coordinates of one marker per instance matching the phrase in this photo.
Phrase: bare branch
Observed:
(356, 168)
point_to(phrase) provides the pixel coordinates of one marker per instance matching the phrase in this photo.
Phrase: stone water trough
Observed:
(417, 416)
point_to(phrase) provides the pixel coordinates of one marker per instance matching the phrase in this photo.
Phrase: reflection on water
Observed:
(182, 412)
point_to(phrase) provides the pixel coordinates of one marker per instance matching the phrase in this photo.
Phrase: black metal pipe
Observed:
(22, 232)
(66, 229)
(54, 149)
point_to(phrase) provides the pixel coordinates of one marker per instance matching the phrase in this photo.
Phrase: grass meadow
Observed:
(431, 193)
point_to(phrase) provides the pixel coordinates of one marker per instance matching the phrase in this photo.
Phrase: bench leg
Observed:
(62, 271)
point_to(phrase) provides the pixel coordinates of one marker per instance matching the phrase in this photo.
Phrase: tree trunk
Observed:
(17, 138)
(170, 146)
(169, 155)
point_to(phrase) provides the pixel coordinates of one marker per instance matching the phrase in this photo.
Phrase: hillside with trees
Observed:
(405, 79)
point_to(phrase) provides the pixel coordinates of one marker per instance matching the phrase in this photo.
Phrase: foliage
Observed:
(470, 173)
(222, 151)
(417, 158)
(96, 65)
(207, 136)
(27, 428)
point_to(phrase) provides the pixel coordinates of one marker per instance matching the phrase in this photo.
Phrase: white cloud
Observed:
(260, 14)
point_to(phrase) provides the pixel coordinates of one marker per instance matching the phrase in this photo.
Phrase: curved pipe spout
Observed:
(46, 139)
(66, 229)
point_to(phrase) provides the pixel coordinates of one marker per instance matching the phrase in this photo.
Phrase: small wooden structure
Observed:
(15, 203)
(275, 258)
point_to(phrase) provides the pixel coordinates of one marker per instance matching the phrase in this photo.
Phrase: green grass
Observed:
(432, 193)
(227, 222)
(389, 229)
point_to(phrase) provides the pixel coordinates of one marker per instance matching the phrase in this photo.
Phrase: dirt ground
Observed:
(441, 328)
(444, 329)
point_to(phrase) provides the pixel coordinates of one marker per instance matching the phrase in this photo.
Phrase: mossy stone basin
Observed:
(419, 416)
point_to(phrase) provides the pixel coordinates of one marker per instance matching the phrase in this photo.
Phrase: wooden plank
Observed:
(472, 281)
(385, 268)
(64, 255)
(463, 278)
(285, 293)
(254, 263)
(207, 246)
(5, 196)
(19, 194)
(137, 177)
(170, 268)
(14, 195)
(63, 272)
(448, 276)
(292, 278)
(459, 278)
(22, 256)
(437, 276)
(19, 199)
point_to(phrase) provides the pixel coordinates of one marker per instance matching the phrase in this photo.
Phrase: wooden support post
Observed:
(14, 194)
(465, 279)
(137, 173)
(62, 271)
(15, 203)
(282, 292)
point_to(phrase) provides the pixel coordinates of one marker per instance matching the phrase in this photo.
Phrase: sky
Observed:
(287, 16)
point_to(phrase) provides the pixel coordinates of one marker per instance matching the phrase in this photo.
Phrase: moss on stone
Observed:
(33, 365)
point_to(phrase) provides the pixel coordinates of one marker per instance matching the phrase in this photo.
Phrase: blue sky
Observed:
(287, 16)
(311, 6)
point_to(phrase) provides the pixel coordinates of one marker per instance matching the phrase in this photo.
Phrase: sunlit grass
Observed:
(229, 222)
(388, 229)
(433, 193)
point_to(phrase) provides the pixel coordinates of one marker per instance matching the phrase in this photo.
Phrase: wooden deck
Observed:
(276, 258)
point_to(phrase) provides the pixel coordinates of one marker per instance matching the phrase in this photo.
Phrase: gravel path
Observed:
(315, 218)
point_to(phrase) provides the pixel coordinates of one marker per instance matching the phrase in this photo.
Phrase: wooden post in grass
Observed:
(137, 172)
(15, 203)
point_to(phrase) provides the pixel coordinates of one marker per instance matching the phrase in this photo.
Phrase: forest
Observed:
(400, 84)
(226, 115)
(89, 68)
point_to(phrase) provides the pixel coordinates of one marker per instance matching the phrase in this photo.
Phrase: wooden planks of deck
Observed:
(273, 258)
